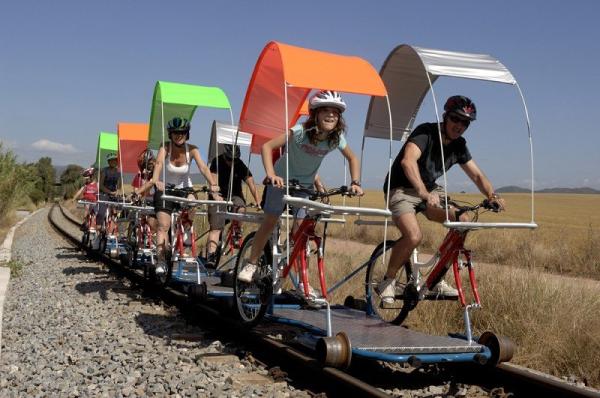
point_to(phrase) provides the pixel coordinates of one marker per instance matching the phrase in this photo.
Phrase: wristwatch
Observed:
(355, 182)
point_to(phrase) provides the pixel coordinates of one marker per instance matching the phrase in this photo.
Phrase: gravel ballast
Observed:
(73, 329)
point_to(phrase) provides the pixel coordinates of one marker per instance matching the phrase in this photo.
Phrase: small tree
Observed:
(71, 180)
(15, 181)
(47, 177)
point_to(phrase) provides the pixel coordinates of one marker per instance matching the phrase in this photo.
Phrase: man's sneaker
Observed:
(312, 293)
(444, 289)
(247, 272)
(161, 267)
(211, 260)
(386, 289)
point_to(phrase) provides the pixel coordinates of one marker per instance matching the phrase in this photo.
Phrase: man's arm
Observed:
(252, 187)
(481, 181)
(409, 165)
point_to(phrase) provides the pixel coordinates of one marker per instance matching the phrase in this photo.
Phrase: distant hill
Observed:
(512, 189)
(516, 189)
(587, 190)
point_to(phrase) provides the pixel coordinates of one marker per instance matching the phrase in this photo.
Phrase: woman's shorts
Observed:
(274, 205)
(166, 205)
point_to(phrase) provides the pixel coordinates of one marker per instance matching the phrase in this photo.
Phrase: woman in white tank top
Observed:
(177, 154)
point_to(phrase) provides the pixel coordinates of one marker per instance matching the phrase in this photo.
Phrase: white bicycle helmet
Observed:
(327, 98)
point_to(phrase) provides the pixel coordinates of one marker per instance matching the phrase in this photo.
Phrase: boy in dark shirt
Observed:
(241, 173)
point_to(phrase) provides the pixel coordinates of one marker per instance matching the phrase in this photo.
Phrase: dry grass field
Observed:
(567, 240)
(527, 305)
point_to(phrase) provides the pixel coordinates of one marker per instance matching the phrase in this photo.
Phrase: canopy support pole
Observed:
(530, 147)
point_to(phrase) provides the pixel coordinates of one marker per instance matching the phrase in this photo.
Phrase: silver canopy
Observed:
(408, 73)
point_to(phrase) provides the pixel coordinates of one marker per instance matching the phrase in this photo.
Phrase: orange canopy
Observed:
(133, 139)
(300, 70)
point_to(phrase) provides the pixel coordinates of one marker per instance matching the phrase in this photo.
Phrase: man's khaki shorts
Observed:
(406, 200)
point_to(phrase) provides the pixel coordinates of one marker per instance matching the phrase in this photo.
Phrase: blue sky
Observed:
(69, 69)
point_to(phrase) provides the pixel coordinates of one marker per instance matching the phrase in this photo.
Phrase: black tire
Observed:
(220, 248)
(102, 244)
(406, 299)
(85, 239)
(251, 300)
(132, 255)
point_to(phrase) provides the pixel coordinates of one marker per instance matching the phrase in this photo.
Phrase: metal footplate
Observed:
(376, 339)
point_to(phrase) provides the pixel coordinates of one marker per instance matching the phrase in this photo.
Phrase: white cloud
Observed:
(46, 145)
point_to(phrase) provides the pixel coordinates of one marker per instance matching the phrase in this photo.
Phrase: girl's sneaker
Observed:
(312, 293)
(247, 272)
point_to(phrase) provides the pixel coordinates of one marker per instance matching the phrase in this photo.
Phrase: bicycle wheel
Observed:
(405, 301)
(102, 244)
(85, 239)
(252, 299)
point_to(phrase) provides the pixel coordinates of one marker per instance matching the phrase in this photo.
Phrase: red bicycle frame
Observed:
(185, 221)
(304, 235)
(450, 251)
(91, 218)
(234, 236)
(144, 233)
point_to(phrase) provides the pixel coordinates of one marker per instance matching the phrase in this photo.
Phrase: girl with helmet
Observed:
(176, 157)
(413, 182)
(88, 192)
(309, 143)
(141, 182)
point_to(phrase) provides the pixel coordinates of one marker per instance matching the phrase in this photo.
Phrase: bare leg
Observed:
(411, 238)
(213, 239)
(262, 236)
(164, 221)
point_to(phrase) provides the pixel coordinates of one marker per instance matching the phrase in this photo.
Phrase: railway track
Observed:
(364, 378)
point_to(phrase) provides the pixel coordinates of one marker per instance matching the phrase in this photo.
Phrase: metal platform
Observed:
(373, 338)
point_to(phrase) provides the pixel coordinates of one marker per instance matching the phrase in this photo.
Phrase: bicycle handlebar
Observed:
(313, 194)
(187, 190)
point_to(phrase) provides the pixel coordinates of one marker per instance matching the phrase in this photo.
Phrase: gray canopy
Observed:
(409, 72)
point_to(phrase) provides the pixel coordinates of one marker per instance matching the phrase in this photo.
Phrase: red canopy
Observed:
(133, 139)
(300, 70)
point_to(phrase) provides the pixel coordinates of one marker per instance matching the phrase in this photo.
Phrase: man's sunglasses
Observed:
(456, 119)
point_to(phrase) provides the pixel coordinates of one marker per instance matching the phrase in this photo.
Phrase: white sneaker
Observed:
(312, 293)
(247, 272)
(161, 267)
(444, 289)
(386, 289)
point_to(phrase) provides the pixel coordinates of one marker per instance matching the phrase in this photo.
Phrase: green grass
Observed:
(16, 267)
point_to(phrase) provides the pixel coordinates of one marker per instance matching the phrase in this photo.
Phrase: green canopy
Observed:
(177, 99)
(107, 143)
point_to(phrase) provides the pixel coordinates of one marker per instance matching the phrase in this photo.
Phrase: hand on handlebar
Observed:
(356, 190)
(160, 185)
(276, 181)
(253, 206)
(433, 200)
(496, 204)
